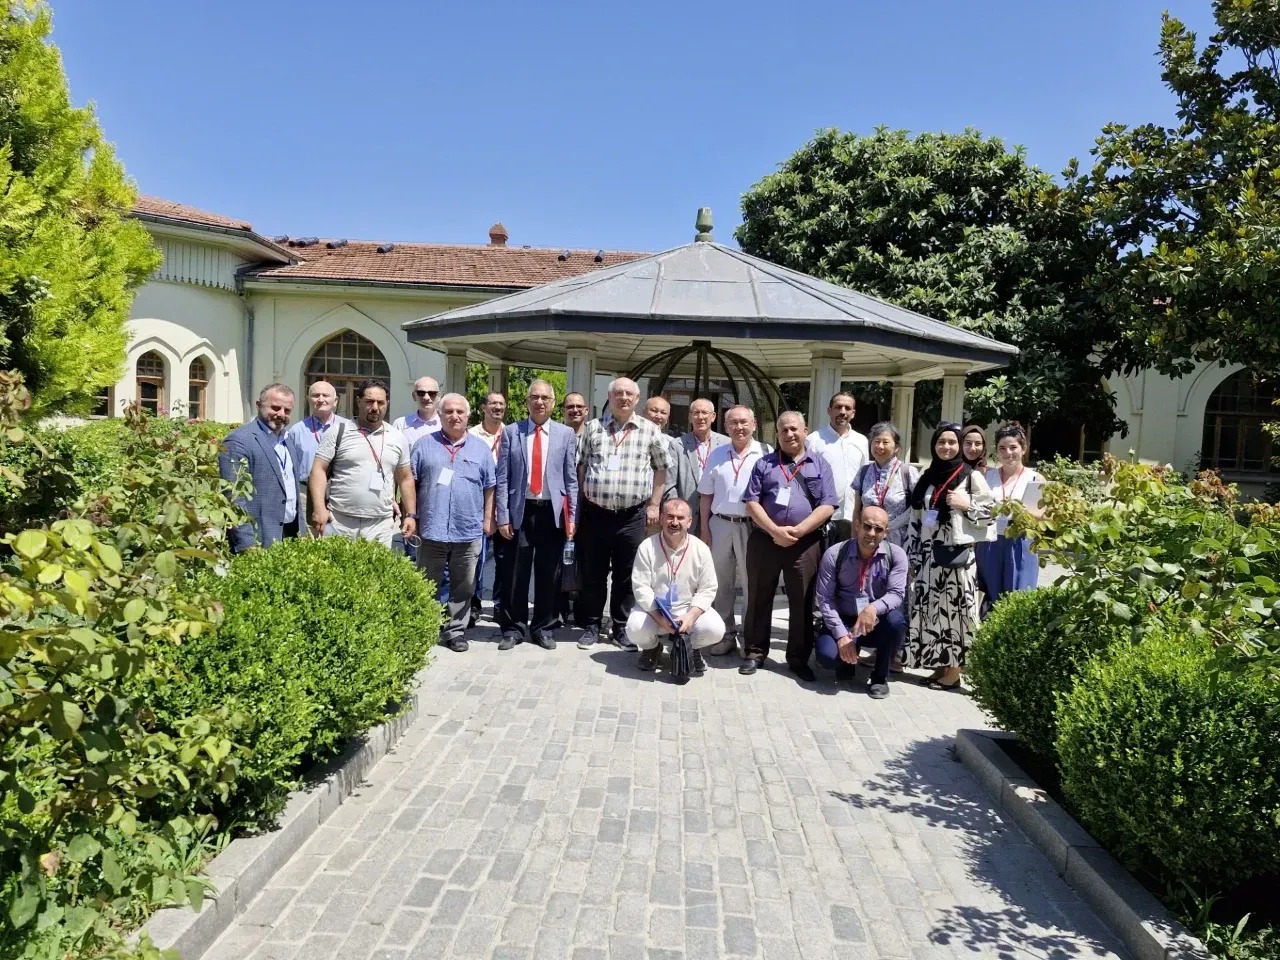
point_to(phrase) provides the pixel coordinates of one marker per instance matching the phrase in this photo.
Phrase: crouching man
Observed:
(674, 581)
(859, 593)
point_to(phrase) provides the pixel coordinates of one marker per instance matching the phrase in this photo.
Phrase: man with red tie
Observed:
(536, 504)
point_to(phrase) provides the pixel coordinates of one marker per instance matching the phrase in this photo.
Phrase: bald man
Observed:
(694, 452)
(303, 439)
(622, 471)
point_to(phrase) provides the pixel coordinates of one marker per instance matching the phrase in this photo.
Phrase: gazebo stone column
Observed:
(902, 411)
(455, 371)
(953, 395)
(826, 372)
(499, 377)
(580, 371)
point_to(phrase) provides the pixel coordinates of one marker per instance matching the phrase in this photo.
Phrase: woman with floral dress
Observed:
(886, 482)
(1009, 563)
(950, 511)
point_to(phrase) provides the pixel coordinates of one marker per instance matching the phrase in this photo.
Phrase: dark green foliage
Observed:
(319, 638)
(1173, 766)
(1028, 653)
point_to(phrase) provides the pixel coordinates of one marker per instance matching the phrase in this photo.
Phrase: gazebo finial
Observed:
(703, 223)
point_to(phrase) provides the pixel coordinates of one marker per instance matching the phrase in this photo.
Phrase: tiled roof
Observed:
(441, 264)
(156, 207)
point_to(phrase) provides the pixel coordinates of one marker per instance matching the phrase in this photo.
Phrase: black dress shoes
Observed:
(508, 641)
(802, 670)
(543, 640)
(749, 666)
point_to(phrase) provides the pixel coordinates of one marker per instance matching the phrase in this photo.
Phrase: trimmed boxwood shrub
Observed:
(1028, 653)
(1175, 765)
(319, 640)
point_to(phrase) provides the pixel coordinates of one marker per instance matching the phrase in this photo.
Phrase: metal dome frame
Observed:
(763, 395)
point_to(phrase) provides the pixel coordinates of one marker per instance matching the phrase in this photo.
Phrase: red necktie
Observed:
(535, 475)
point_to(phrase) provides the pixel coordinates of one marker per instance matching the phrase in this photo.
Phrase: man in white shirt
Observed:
(489, 429)
(725, 524)
(673, 571)
(425, 420)
(846, 451)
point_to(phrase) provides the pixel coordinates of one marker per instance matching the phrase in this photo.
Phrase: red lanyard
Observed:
(1005, 491)
(315, 433)
(377, 457)
(795, 473)
(737, 471)
(453, 448)
(702, 458)
(497, 442)
(620, 438)
(674, 569)
(864, 573)
(938, 493)
(882, 492)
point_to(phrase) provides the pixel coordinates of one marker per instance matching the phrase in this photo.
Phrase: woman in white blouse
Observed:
(1009, 563)
(886, 482)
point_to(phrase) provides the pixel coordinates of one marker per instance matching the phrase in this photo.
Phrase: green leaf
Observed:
(166, 564)
(109, 556)
(112, 874)
(23, 906)
(82, 847)
(64, 716)
(31, 543)
(134, 609)
(195, 895)
(49, 573)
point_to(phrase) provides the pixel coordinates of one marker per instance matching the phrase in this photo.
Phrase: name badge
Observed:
(375, 480)
(862, 604)
(930, 519)
(783, 496)
(1002, 524)
(445, 478)
(734, 496)
(615, 462)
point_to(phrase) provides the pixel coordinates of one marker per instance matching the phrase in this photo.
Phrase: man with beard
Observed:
(845, 450)
(356, 471)
(674, 582)
(260, 447)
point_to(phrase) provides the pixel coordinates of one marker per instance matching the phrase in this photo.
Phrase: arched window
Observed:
(150, 379)
(198, 389)
(1234, 440)
(344, 361)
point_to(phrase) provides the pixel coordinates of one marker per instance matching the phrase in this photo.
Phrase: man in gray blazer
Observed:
(260, 447)
(695, 449)
(537, 503)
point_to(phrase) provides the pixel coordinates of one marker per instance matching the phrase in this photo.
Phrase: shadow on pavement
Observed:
(1040, 919)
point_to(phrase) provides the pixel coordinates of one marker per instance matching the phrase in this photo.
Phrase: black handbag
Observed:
(681, 657)
(952, 556)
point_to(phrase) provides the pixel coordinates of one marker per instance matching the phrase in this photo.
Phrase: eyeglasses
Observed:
(542, 398)
(575, 406)
(869, 528)
(426, 393)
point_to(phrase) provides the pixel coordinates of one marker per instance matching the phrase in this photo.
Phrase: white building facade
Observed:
(229, 311)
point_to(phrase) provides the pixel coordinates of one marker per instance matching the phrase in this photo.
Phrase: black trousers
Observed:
(607, 540)
(798, 567)
(535, 552)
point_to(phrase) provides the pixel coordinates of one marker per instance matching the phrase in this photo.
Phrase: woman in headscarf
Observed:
(950, 511)
(973, 446)
(886, 482)
(1008, 563)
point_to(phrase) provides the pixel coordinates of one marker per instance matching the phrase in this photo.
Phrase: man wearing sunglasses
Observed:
(859, 594)
(425, 420)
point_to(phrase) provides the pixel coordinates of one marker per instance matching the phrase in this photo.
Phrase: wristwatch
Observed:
(411, 516)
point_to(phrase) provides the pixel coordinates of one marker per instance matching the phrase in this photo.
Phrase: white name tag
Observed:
(734, 496)
(930, 519)
(615, 462)
(862, 604)
(784, 496)
(445, 478)
(1002, 524)
(375, 480)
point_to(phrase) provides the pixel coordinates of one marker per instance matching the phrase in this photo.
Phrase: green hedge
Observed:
(319, 639)
(1174, 766)
(1028, 653)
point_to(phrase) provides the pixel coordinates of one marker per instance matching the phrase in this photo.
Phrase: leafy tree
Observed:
(1190, 211)
(956, 227)
(517, 392)
(69, 258)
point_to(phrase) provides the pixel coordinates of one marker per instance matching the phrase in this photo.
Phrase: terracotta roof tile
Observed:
(156, 207)
(441, 264)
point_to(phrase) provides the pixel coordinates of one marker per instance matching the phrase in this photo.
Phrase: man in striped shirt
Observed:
(622, 470)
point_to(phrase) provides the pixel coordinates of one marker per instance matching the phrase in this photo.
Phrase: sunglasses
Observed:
(868, 528)
(426, 393)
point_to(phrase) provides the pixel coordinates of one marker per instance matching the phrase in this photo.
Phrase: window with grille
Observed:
(1234, 438)
(344, 361)
(198, 389)
(149, 373)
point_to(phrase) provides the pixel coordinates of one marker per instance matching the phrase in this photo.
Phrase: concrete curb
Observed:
(1138, 918)
(245, 867)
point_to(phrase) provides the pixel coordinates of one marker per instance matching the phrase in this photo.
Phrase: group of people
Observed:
(876, 558)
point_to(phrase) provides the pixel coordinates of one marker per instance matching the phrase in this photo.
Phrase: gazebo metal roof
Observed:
(704, 290)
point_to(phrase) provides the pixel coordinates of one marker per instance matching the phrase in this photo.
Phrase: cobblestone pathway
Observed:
(562, 806)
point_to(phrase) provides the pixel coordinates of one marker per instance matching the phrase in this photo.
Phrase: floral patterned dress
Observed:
(943, 600)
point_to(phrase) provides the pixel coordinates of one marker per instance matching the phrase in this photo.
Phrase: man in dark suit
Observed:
(260, 446)
(537, 499)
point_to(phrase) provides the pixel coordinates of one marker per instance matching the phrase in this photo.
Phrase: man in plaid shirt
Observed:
(622, 471)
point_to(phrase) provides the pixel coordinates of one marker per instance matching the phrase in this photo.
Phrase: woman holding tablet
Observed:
(1009, 563)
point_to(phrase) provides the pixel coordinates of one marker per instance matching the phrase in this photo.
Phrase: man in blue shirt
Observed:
(455, 477)
(259, 447)
(303, 439)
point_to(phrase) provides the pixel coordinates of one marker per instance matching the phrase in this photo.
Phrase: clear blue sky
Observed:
(576, 124)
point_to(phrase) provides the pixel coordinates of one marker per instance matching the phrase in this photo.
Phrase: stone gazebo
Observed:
(788, 325)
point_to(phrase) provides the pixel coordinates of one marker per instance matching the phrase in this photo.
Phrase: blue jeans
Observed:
(887, 638)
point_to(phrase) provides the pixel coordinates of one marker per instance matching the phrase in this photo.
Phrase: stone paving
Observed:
(563, 806)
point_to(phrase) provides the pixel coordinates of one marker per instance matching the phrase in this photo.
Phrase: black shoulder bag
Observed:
(955, 556)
